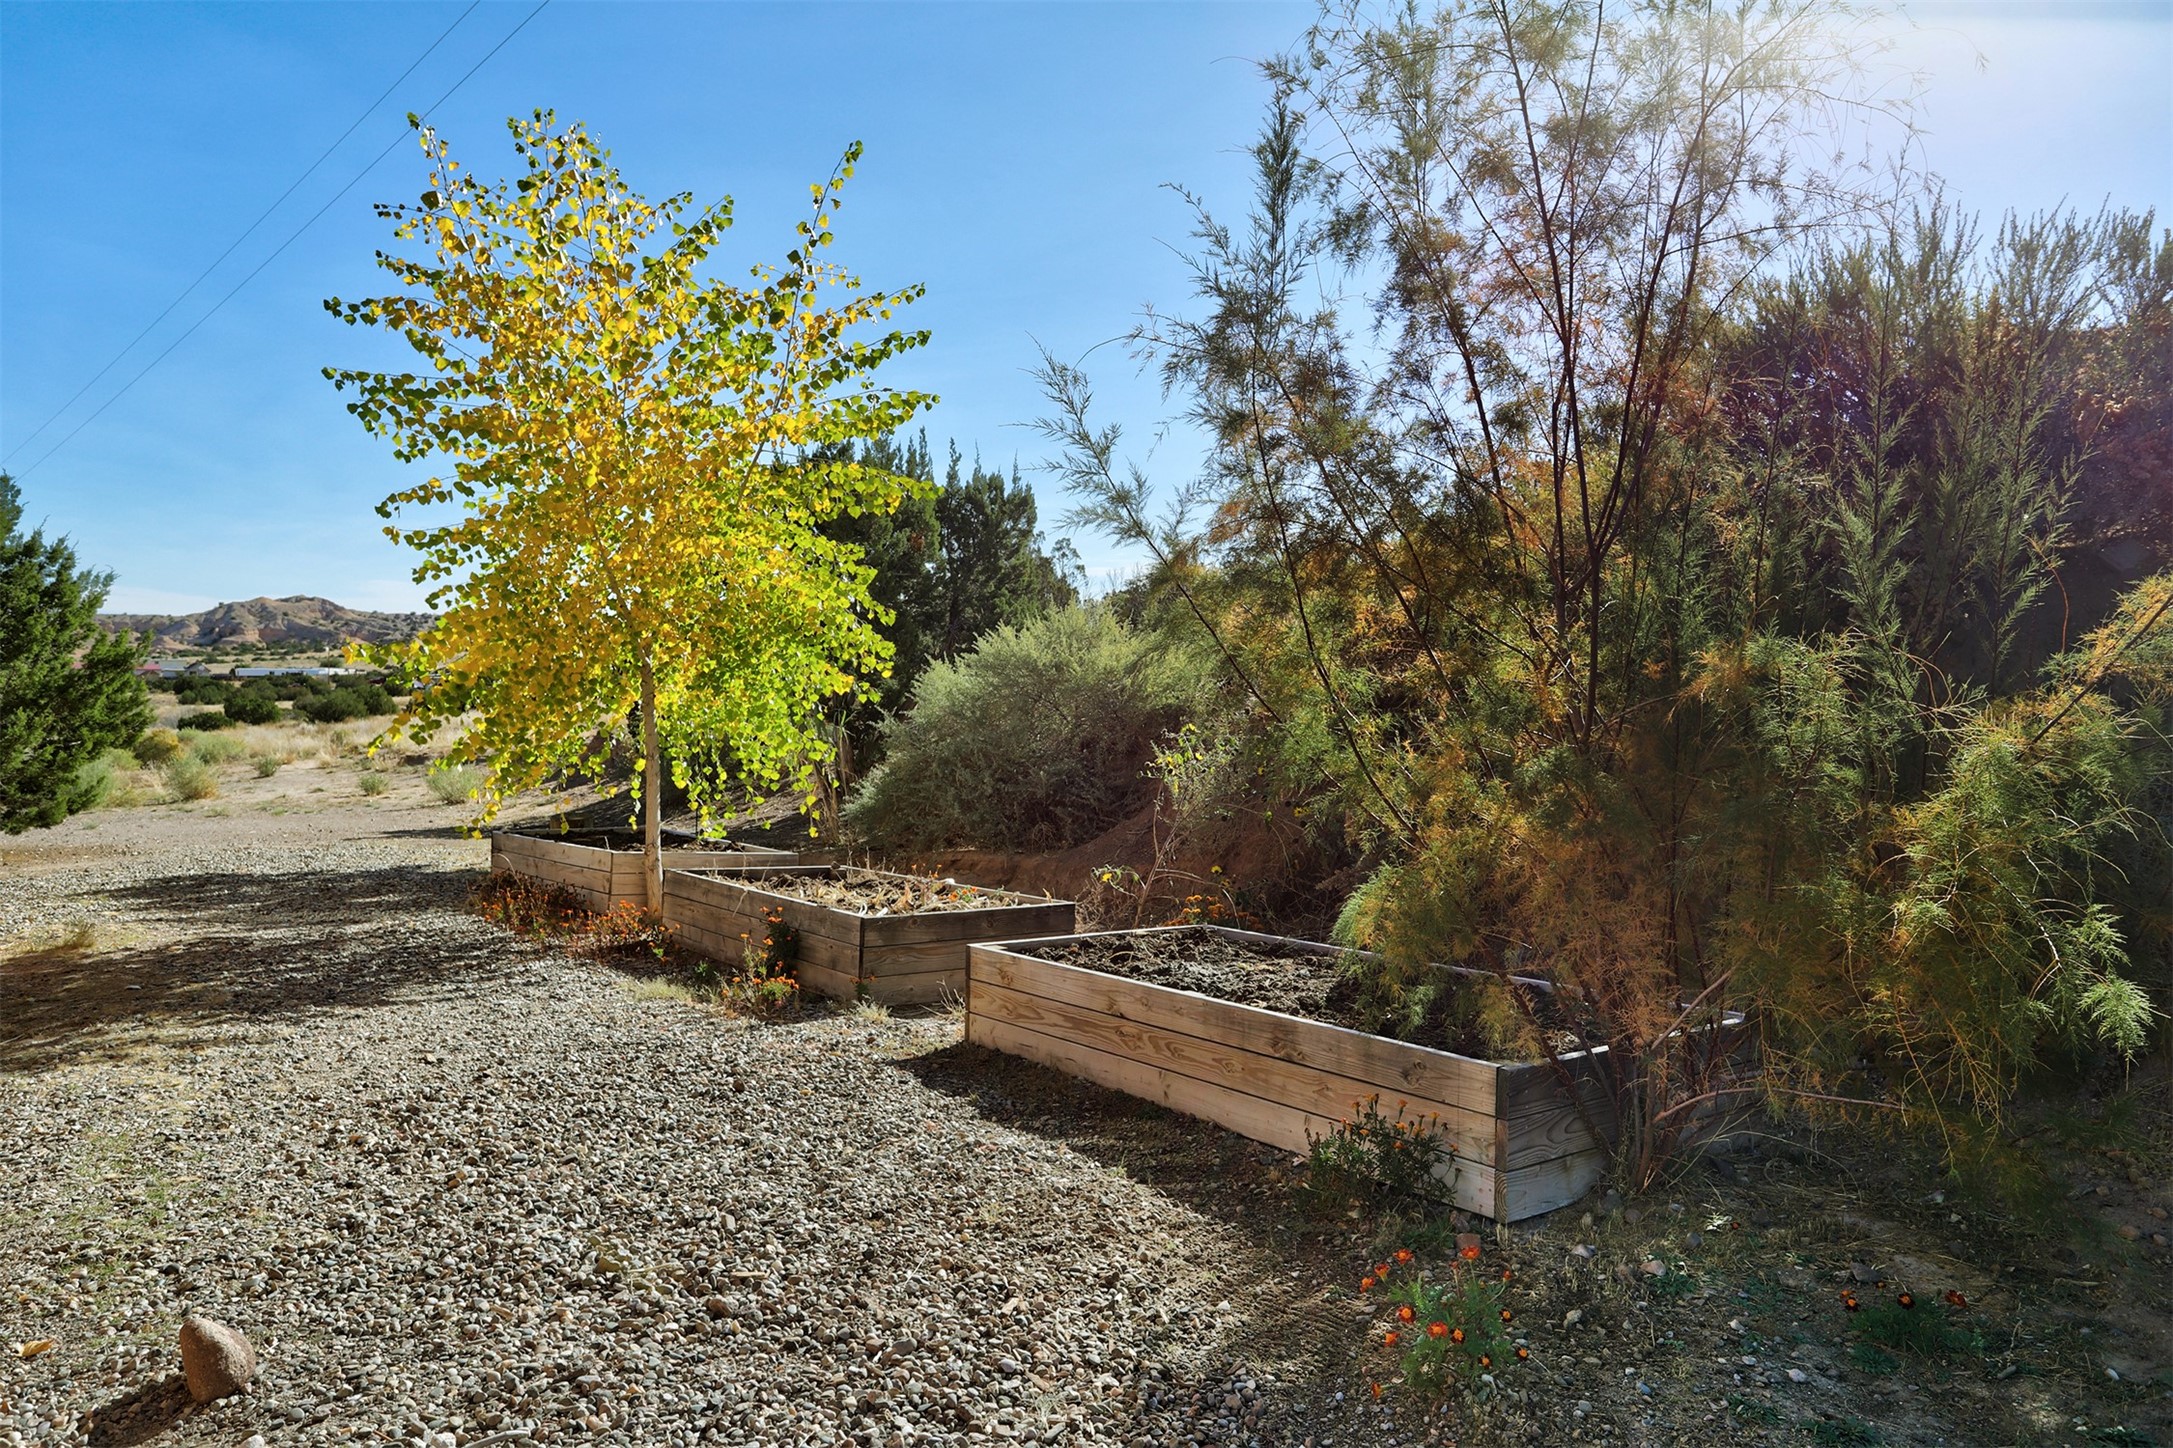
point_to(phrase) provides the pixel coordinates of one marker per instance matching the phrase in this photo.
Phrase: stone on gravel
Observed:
(218, 1360)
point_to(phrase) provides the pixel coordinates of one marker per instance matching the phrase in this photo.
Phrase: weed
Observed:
(1374, 1162)
(1923, 1331)
(267, 765)
(1750, 1410)
(868, 1012)
(1876, 1361)
(1845, 1433)
(373, 783)
(656, 988)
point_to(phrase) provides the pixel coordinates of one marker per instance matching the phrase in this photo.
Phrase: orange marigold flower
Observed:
(1485, 1361)
(1388, 1339)
(1376, 1390)
(1456, 1335)
(1469, 1252)
(1403, 1254)
(1956, 1299)
(1365, 1284)
(1907, 1299)
(1523, 1353)
(1405, 1313)
(1437, 1329)
(1507, 1315)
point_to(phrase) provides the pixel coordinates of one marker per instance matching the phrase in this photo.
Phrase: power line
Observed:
(367, 110)
(294, 236)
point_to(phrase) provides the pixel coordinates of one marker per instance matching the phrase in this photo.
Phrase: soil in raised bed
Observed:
(1470, 1015)
(869, 892)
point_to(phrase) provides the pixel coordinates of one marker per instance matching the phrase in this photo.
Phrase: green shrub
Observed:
(105, 780)
(348, 701)
(373, 783)
(214, 749)
(253, 704)
(155, 746)
(268, 765)
(209, 719)
(455, 784)
(190, 778)
(202, 689)
(1037, 739)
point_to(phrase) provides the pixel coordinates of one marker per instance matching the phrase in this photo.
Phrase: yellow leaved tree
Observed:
(640, 455)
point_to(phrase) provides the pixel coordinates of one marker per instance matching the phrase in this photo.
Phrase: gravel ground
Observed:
(257, 1062)
(449, 1184)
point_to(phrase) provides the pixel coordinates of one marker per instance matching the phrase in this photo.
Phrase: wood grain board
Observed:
(1523, 1147)
(896, 959)
(604, 878)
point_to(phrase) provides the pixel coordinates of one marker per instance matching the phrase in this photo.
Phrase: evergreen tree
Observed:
(68, 689)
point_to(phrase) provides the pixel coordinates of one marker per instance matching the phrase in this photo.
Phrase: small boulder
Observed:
(218, 1360)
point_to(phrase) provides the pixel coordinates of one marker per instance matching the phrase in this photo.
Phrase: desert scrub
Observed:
(457, 783)
(267, 765)
(554, 915)
(1035, 740)
(373, 783)
(154, 747)
(109, 781)
(188, 777)
(216, 749)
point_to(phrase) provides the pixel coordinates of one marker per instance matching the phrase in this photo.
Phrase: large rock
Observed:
(218, 1360)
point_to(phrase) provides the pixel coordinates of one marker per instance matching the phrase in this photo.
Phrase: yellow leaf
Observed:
(32, 1349)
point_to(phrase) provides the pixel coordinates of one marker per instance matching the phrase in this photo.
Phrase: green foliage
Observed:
(642, 454)
(1376, 1163)
(215, 749)
(1034, 740)
(254, 703)
(207, 720)
(949, 566)
(105, 781)
(68, 689)
(373, 783)
(1447, 1328)
(267, 765)
(1923, 1331)
(1682, 628)
(347, 701)
(202, 689)
(456, 783)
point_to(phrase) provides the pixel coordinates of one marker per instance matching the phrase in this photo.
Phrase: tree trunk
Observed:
(652, 798)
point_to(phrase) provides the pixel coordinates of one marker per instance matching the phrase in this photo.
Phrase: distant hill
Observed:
(314, 622)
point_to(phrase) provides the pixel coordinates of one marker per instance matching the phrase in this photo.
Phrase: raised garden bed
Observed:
(603, 867)
(1156, 1024)
(898, 939)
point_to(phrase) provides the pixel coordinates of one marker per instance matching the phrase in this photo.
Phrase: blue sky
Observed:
(1016, 164)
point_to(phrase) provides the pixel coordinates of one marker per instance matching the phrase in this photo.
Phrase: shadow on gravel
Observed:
(260, 949)
(1215, 1173)
(141, 1415)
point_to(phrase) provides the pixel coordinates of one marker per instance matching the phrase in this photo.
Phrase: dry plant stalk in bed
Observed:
(870, 892)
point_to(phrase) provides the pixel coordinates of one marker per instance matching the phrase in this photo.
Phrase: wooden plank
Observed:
(1392, 1067)
(1301, 1087)
(739, 891)
(1276, 1124)
(991, 922)
(1546, 1186)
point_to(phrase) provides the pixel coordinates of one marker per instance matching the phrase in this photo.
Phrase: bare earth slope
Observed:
(301, 619)
(457, 1189)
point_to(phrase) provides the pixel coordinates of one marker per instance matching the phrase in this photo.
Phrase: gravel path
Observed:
(452, 1185)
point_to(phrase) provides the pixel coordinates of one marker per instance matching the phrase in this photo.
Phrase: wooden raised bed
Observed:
(1522, 1146)
(896, 959)
(603, 867)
